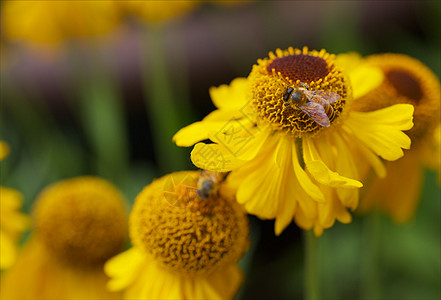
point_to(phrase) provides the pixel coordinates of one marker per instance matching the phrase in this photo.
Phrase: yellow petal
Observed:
(321, 173)
(289, 189)
(226, 281)
(214, 158)
(364, 79)
(347, 166)
(240, 137)
(260, 180)
(224, 115)
(4, 150)
(230, 96)
(196, 132)
(11, 199)
(363, 76)
(7, 251)
(302, 220)
(124, 268)
(305, 182)
(381, 130)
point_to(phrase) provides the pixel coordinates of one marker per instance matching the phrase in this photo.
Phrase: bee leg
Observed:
(305, 85)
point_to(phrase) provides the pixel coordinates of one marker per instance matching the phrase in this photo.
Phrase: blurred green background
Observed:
(110, 106)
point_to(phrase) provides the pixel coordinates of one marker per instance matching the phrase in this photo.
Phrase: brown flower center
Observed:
(299, 91)
(405, 84)
(305, 68)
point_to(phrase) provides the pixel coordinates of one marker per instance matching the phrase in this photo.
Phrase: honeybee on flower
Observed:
(290, 157)
(316, 104)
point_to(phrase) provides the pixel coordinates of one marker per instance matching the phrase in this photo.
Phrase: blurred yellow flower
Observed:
(156, 11)
(51, 22)
(79, 224)
(13, 224)
(291, 141)
(4, 150)
(187, 238)
(406, 80)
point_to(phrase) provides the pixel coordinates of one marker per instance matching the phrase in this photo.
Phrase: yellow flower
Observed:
(406, 80)
(13, 224)
(157, 11)
(4, 150)
(79, 224)
(290, 157)
(187, 237)
(51, 22)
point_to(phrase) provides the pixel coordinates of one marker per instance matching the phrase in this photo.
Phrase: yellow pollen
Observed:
(81, 221)
(407, 80)
(184, 232)
(311, 72)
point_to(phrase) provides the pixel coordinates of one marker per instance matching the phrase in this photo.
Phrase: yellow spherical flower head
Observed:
(13, 224)
(283, 85)
(290, 139)
(79, 224)
(187, 236)
(48, 23)
(406, 80)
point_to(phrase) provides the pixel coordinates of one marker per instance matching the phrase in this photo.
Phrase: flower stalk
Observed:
(311, 289)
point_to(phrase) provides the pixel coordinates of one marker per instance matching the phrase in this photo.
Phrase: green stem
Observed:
(370, 268)
(163, 103)
(100, 109)
(311, 290)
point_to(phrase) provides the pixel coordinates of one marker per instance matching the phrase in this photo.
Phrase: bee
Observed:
(316, 104)
(208, 183)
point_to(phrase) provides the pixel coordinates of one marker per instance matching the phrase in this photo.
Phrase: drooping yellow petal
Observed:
(214, 158)
(320, 172)
(396, 194)
(303, 221)
(260, 182)
(234, 146)
(231, 96)
(241, 138)
(346, 165)
(154, 282)
(124, 268)
(7, 251)
(37, 274)
(305, 182)
(381, 130)
(196, 132)
(226, 281)
(286, 196)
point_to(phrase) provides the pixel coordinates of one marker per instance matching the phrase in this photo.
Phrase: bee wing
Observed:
(320, 96)
(316, 112)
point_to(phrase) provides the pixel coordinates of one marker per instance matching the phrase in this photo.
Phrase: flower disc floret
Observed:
(184, 233)
(271, 77)
(82, 221)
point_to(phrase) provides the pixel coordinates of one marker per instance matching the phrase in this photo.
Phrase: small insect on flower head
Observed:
(316, 104)
(208, 183)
